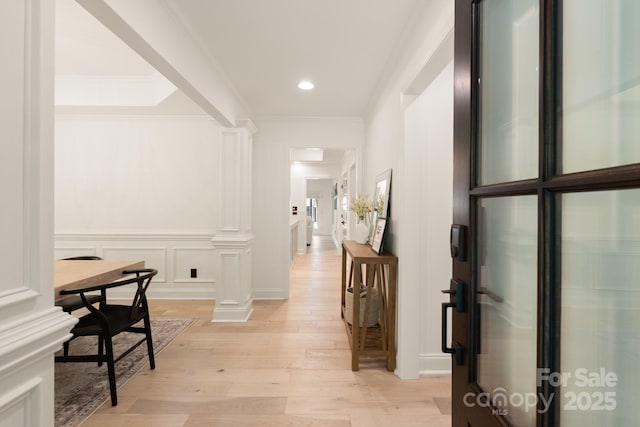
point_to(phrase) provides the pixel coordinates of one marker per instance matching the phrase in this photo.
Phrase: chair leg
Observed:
(111, 370)
(65, 347)
(147, 331)
(100, 349)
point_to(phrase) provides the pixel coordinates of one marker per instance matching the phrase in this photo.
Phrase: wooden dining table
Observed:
(70, 274)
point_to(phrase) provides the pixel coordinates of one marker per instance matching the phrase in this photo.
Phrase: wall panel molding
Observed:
(17, 405)
(230, 179)
(172, 254)
(234, 290)
(15, 295)
(154, 257)
(186, 258)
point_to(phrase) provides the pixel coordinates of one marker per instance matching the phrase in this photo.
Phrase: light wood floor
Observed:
(289, 365)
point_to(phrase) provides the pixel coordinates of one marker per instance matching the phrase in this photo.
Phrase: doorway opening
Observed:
(312, 210)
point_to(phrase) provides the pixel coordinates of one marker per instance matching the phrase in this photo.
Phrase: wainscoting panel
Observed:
(153, 258)
(173, 255)
(201, 259)
(230, 191)
(17, 406)
(26, 366)
(230, 266)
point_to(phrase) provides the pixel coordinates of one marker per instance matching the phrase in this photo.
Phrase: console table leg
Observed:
(355, 325)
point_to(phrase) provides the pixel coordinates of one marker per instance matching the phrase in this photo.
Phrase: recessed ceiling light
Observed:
(305, 85)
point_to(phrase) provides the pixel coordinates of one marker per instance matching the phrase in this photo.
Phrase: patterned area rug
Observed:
(81, 388)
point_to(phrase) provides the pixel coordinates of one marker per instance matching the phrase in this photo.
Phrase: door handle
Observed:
(457, 290)
(456, 348)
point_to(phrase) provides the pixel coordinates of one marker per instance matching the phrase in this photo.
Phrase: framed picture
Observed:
(382, 194)
(374, 219)
(378, 235)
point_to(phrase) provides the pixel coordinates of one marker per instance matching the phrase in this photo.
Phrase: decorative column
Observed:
(234, 238)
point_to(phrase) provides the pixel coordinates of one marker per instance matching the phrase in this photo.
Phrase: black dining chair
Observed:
(108, 320)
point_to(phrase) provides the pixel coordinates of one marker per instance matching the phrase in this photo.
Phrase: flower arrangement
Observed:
(361, 206)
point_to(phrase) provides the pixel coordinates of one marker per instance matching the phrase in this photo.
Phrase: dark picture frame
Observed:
(378, 235)
(374, 218)
(381, 197)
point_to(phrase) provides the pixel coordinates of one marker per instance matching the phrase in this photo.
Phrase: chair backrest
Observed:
(143, 279)
(83, 258)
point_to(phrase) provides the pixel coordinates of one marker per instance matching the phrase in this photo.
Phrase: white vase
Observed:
(361, 234)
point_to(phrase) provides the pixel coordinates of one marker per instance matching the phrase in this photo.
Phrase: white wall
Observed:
(140, 187)
(429, 138)
(387, 147)
(271, 184)
(128, 174)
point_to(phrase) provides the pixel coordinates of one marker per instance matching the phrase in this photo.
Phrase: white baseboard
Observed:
(434, 363)
(232, 313)
(270, 294)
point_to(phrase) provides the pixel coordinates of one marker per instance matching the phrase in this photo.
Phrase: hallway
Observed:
(289, 365)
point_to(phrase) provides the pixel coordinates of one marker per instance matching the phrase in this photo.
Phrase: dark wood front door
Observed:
(545, 294)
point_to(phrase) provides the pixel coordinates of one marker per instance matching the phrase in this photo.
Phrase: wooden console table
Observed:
(380, 273)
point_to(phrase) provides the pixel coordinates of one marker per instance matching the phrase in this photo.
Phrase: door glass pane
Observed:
(600, 308)
(600, 84)
(508, 278)
(508, 91)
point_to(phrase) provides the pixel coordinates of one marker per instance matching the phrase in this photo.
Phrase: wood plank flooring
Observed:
(289, 365)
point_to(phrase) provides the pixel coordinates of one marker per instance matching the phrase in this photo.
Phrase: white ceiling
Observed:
(265, 47)
(85, 47)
